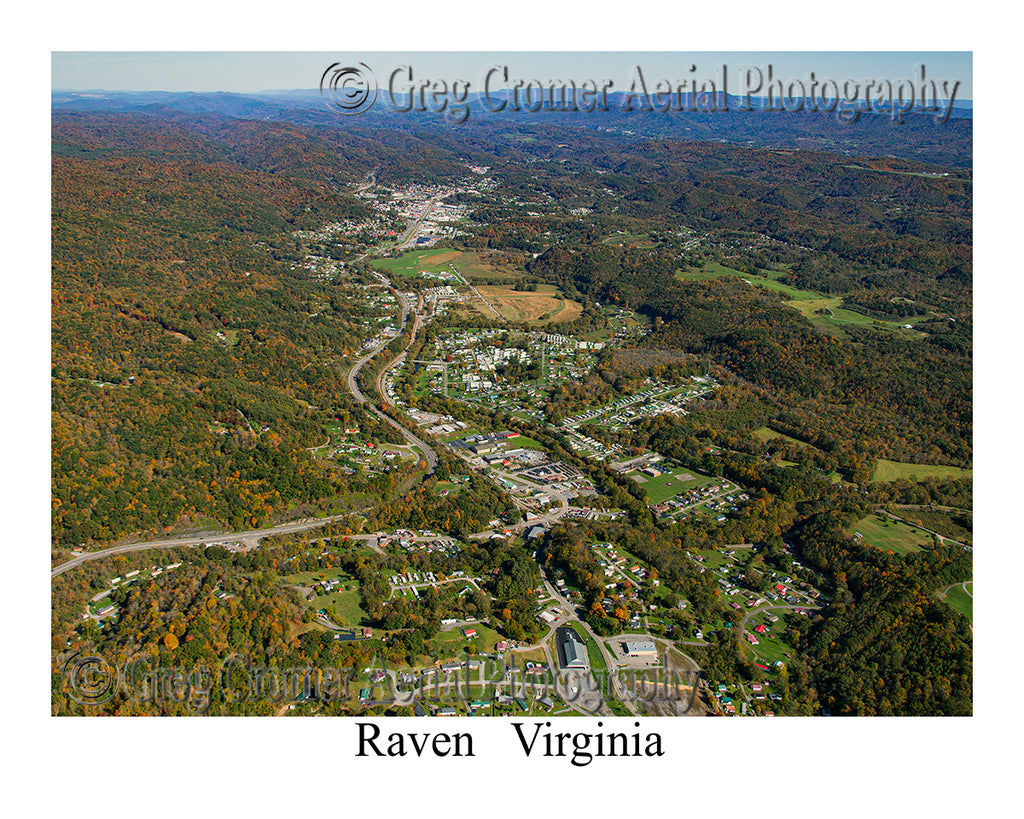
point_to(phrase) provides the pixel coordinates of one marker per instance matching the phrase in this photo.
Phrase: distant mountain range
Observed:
(918, 137)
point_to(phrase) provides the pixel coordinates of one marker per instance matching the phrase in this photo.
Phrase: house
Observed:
(469, 632)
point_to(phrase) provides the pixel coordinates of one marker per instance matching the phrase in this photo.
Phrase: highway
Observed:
(353, 386)
(249, 537)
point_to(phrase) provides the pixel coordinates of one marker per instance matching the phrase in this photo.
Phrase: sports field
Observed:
(672, 483)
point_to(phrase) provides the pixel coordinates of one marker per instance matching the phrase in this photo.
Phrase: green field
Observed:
(411, 264)
(825, 313)
(767, 434)
(957, 527)
(640, 240)
(962, 601)
(442, 260)
(522, 442)
(891, 535)
(346, 601)
(669, 485)
(771, 647)
(454, 642)
(894, 470)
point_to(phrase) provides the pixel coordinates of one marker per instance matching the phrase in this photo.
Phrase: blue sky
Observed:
(249, 72)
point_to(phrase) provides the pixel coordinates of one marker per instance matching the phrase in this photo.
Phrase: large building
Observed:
(641, 648)
(571, 650)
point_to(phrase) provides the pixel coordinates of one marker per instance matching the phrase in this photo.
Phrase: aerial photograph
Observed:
(529, 385)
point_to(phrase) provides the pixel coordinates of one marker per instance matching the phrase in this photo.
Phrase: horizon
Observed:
(268, 73)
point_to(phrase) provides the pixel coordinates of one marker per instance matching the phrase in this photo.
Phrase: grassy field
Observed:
(825, 313)
(411, 264)
(894, 470)
(957, 527)
(766, 434)
(962, 601)
(673, 483)
(639, 240)
(346, 600)
(891, 535)
(522, 442)
(469, 265)
(455, 642)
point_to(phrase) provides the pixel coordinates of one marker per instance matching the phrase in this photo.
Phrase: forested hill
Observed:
(183, 323)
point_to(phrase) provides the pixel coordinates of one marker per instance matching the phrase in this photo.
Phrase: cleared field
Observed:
(629, 240)
(522, 442)
(346, 601)
(894, 470)
(540, 307)
(891, 535)
(961, 599)
(441, 258)
(767, 434)
(470, 265)
(413, 263)
(455, 642)
(958, 526)
(825, 313)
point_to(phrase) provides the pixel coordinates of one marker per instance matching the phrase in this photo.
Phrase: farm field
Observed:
(894, 470)
(891, 535)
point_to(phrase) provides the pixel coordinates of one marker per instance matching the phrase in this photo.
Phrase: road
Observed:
(409, 237)
(609, 660)
(250, 536)
(353, 386)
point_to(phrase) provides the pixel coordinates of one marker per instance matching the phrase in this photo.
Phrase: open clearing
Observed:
(825, 313)
(961, 599)
(894, 470)
(540, 307)
(891, 535)
(768, 434)
(346, 601)
(488, 265)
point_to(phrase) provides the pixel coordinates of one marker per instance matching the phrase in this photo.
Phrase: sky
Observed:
(252, 72)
